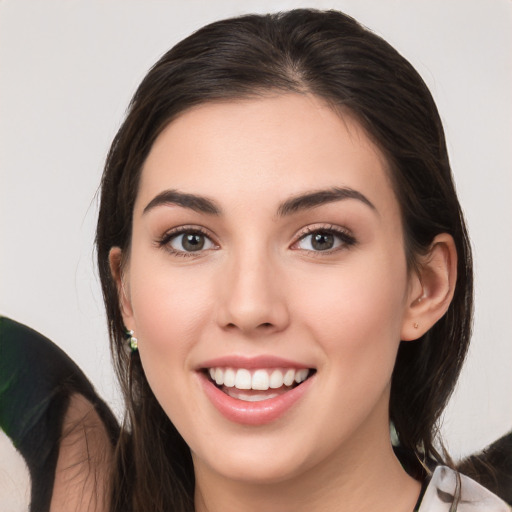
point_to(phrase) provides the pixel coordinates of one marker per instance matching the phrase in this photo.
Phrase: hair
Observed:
(330, 55)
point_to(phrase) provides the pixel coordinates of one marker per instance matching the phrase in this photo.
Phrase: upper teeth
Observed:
(261, 379)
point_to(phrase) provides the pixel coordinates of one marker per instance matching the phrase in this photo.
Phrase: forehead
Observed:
(266, 148)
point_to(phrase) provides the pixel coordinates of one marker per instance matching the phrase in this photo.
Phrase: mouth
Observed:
(257, 384)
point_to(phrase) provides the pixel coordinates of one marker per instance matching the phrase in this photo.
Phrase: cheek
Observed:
(170, 310)
(356, 314)
(166, 303)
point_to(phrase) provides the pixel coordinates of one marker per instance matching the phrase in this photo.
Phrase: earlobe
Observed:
(432, 289)
(116, 269)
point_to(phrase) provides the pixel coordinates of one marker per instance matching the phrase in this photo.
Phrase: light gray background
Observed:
(68, 70)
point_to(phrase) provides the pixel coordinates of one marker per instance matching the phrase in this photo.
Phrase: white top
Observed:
(441, 492)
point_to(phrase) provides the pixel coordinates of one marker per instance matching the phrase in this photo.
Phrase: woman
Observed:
(278, 227)
(280, 237)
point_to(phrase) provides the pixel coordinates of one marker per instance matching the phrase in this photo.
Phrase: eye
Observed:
(186, 241)
(324, 240)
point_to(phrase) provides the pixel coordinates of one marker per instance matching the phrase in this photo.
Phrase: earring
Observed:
(132, 340)
(416, 325)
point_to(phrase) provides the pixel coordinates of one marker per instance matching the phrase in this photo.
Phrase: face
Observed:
(267, 285)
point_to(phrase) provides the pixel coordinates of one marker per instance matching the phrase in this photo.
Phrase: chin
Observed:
(258, 469)
(262, 458)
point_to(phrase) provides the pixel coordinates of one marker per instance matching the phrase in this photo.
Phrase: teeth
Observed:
(243, 379)
(219, 376)
(229, 378)
(250, 398)
(300, 376)
(276, 379)
(260, 379)
(289, 377)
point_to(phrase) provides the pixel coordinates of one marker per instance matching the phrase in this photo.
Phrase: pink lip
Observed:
(251, 362)
(252, 413)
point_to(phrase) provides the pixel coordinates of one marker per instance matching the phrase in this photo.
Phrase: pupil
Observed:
(322, 241)
(193, 242)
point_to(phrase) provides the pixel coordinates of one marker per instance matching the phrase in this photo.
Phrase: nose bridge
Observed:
(253, 295)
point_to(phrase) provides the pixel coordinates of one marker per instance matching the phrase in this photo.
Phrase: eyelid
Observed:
(344, 234)
(163, 241)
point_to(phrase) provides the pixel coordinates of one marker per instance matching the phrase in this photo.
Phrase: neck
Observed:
(366, 478)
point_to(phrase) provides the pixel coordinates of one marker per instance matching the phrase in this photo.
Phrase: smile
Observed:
(253, 395)
(233, 380)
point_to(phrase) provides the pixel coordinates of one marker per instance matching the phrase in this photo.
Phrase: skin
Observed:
(84, 461)
(259, 287)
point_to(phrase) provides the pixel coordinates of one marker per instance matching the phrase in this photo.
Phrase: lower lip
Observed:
(253, 413)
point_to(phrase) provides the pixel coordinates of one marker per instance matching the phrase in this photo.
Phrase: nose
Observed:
(253, 297)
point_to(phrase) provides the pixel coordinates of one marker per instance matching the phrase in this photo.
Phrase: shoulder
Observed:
(56, 434)
(448, 487)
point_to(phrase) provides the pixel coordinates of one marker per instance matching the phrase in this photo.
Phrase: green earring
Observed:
(132, 340)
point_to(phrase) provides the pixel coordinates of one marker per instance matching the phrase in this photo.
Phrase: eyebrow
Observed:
(194, 202)
(317, 198)
(293, 205)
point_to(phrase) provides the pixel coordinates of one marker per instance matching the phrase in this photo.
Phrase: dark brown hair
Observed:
(330, 55)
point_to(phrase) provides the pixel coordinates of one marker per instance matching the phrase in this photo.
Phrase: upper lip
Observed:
(262, 361)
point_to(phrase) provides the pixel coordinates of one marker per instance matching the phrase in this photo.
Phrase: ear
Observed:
(431, 288)
(115, 260)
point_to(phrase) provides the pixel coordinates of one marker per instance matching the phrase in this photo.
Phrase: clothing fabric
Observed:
(448, 488)
(37, 380)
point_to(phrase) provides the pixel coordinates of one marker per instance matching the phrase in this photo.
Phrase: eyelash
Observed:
(165, 240)
(344, 236)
